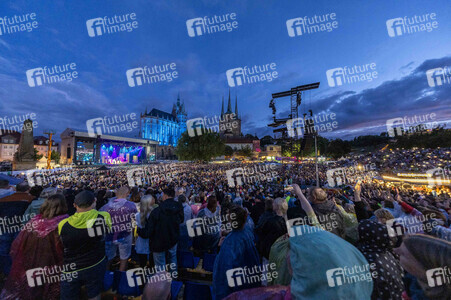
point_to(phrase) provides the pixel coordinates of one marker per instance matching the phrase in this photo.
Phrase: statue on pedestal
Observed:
(25, 158)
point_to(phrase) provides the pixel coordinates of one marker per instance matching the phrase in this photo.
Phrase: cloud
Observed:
(367, 111)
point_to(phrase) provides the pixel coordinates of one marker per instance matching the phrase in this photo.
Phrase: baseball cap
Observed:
(84, 199)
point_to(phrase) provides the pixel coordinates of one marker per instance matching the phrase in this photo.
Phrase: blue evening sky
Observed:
(101, 88)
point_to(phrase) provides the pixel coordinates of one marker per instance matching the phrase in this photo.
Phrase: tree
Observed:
(250, 136)
(55, 156)
(36, 156)
(202, 147)
(245, 151)
(266, 140)
(228, 151)
(338, 148)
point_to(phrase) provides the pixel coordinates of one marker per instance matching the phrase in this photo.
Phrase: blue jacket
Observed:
(237, 251)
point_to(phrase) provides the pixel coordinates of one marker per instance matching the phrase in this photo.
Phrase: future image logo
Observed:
(438, 276)
(351, 74)
(109, 25)
(417, 123)
(410, 25)
(438, 76)
(250, 275)
(309, 25)
(195, 127)
(293, 226)
(111, 124)
(195, 226)
(401, 226)
(97, 227)
(439, 176)
(213, 225)
(17, 123)
(395, 227)
(35, 277)
(150, 75)
(250, 175)
(140, 276)
(336, 177)
(324, 122)
(395, 127)
(235, 277)
(51, 274)
(135, 277)
(210, 25)
(18, 23)
(135, 177)
(235, 177)
(249, 75)
(349, 275)
(49, 75)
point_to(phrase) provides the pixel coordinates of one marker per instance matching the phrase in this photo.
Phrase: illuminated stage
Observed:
(81, 148)
(115, 154)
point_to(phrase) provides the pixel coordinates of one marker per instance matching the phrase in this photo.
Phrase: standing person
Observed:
(5, 188)
(37, 246)
(327, 212)
(84, 247)
(375, 244)
(142, 245)
(135, 196)
(178, 192)
(184, 240)
(208, 240)
(238, 200)
(237, 251)
(271, 227)
(35, 205)
(257, 210)
(122, 214)
(12, 209)
(163, 229)
(187, 210)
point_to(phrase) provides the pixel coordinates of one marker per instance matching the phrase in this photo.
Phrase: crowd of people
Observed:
(284, 237)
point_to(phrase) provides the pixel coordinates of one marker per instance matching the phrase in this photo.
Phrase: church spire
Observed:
(229, 105)
(236, 106)
(222, 107)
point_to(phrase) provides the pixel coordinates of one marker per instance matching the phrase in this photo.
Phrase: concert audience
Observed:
(38, 246)
(122, 214)
(163, 229)
(334, 229)
(83, 238)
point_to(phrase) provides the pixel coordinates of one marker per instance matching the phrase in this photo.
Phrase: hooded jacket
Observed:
(319, 261)
(83, 237)
(33, 209)
(330, 217)
(163, 226)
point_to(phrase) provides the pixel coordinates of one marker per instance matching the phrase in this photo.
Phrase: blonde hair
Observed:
(146, 206)
(384, 214)
(319, 194)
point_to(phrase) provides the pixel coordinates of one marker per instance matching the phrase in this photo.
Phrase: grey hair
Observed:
(280, 205)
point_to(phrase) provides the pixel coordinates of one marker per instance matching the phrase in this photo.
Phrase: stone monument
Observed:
(24, 160)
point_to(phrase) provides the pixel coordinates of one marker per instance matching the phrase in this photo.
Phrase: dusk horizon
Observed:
(162, 43)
